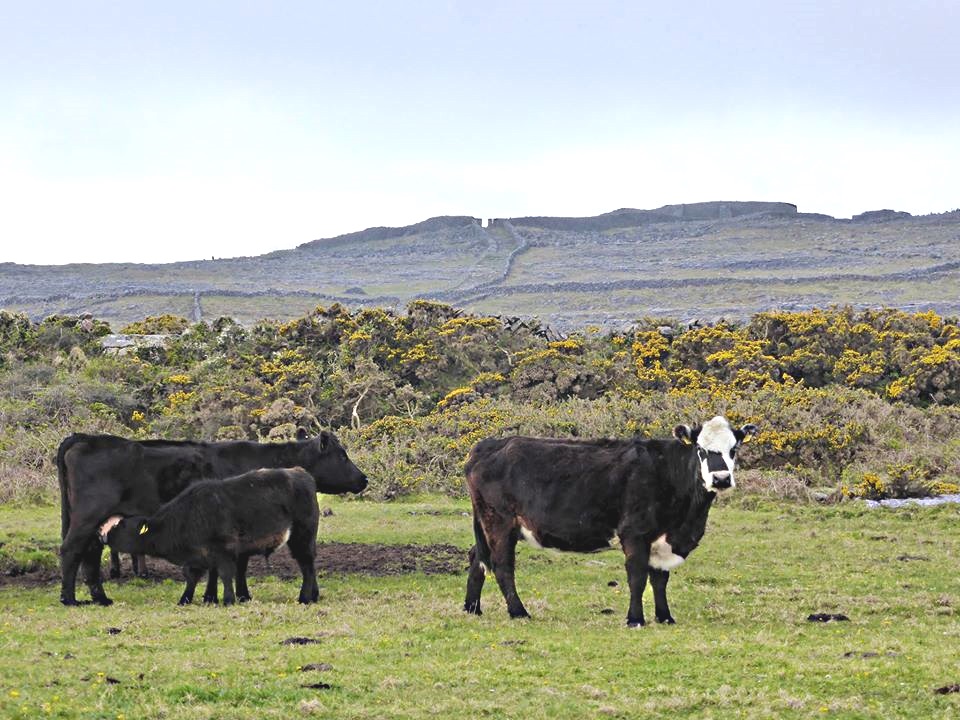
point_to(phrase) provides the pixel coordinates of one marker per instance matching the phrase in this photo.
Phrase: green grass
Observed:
(401, 647)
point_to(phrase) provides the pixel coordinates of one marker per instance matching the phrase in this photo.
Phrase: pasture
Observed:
(389, 639)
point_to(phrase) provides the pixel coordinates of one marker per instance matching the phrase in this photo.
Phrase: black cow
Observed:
(576, 495)
(218, 524)
(103, 475)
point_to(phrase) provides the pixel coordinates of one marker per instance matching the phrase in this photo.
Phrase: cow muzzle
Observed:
(721, 480)
(361, 484)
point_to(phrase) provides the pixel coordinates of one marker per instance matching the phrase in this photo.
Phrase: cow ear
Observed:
(301, 434)
(745, 433)
(683, 434)
(323, 440)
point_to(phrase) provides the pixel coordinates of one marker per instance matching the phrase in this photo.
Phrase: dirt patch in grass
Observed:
(332, 559)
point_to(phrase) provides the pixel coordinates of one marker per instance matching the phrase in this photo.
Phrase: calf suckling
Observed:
(577, 495)
(104, 475)
(218, 525)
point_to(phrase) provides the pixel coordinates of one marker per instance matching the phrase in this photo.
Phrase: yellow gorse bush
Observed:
(837, 393)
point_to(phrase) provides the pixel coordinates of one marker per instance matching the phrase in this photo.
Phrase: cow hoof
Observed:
(70, 602)
(210, 600)
(244, 598)
(636, 623)
(667, 620)
(103, 601)
(185, 601)
(520, 616)
(472, 608)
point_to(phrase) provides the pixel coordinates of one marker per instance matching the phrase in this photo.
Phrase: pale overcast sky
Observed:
(162, 131)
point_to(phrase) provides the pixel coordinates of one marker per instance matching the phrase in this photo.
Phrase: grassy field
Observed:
(400, 646)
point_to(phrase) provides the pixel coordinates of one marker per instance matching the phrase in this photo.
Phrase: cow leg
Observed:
(140, 566)
(475, 579)
(479, 564)
(243, 593)
(503, 546)
(192, 575)
(304, 551)
(637, 563)
(69, 564)
(91, 572)
(226, 569)
(114, 564)
(210, 592)
(73, 550)
(658, 579)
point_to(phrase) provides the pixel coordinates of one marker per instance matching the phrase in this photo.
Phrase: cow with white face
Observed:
(576, 495)
(717, 445)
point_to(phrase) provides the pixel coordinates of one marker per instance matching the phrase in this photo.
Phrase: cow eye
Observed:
(733, 452)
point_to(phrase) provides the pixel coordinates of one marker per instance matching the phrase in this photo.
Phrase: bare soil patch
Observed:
(332, 559)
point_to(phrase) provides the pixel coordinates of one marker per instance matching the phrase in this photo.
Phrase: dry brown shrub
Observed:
(26, 484)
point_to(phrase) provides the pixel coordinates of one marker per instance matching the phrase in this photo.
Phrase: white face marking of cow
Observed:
(662, 556)
(717, 445)
(109, 524)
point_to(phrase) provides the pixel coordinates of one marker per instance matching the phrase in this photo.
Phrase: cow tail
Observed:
(62, 477)
(481, 547)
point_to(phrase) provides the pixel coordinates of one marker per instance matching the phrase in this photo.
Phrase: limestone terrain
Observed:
(702, 261)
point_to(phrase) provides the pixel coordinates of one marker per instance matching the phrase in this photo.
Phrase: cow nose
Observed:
(721, 480)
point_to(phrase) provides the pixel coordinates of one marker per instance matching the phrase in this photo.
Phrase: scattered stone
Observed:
(869, 654)
(827, 617)
(114, 631)
(947, 689)
(311, 707)
(613, 583)
(513, 642)
(901, 502)
(607, 611)
(319, 667)
(909, 558)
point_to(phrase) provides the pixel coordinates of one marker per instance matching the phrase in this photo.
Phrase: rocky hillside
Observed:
(704, 260)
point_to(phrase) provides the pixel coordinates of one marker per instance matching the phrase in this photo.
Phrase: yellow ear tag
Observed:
(746, 438)
(143, 529)
(687, 441)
